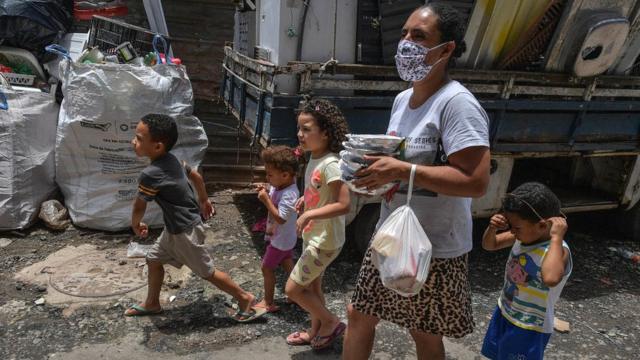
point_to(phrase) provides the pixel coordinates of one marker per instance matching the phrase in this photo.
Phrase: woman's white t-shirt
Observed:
(453, 118)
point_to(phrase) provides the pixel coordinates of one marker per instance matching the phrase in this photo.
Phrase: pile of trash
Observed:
(104, 98)
(28, 110)
(27, 139)
(125, 53)
(81, 145)
(352, 158)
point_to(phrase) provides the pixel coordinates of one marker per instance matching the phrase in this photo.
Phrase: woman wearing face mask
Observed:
(447, 137)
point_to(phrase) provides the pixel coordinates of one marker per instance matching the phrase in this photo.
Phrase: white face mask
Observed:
(410, 60)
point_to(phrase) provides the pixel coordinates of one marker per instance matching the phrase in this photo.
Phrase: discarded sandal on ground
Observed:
(296, 339)
(323, 342)
(138, 310)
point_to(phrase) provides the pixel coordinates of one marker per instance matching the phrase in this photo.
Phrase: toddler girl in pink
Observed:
(281, 165)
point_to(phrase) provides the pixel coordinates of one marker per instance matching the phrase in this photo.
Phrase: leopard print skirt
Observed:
(443, 306)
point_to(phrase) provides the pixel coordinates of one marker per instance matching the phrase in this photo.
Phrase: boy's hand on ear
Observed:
(499, 222)
(206, 209)
(558, 226)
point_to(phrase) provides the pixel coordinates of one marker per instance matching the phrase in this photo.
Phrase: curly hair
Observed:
(450, 26)
(282, 158)
(162, 128)
(329, 119)
(530, 200)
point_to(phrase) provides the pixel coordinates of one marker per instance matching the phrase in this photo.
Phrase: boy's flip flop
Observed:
(245, 316)
(323, 342)
(138, 310)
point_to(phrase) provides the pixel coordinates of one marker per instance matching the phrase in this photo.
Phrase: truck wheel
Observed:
(365, 225)
(630, 224)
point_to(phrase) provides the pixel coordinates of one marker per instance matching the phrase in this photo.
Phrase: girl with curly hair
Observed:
(321, 222)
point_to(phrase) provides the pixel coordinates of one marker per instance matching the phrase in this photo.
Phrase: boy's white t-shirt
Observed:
(453, 118)
(284, 235)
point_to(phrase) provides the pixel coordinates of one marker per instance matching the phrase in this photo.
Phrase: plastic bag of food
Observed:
(378, 143)
(401, 250)
(352, 158)
(349, 169)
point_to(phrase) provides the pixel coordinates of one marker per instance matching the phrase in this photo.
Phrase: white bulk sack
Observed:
(27, 141)
(97, 169)
(401, 250)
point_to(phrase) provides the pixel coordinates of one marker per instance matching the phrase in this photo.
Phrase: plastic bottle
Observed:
(150, 59)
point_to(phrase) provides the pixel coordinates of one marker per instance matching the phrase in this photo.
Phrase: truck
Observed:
(559, 80)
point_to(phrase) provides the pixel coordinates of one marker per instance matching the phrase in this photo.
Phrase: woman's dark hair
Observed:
(532, 195)
(450, 25)
(162, 128)
(329, 118)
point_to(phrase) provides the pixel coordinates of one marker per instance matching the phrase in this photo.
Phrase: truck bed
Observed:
(530, 113)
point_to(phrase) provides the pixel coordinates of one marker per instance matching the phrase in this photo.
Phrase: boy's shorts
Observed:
(183, 249)
(507, 341)
(312, 263)
(273, 257)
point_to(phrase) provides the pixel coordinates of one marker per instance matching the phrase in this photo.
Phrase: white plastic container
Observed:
(19, 79)
(21, 56)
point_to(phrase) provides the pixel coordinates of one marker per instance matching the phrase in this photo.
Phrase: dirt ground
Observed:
(62, 295)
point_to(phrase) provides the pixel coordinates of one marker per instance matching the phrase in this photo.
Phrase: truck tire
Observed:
(365, 225)
(630, 224)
